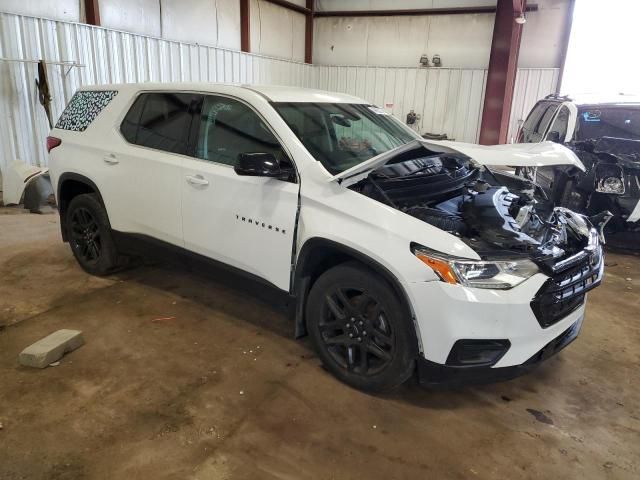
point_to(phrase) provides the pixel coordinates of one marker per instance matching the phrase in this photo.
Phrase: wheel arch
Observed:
(70, 185)
(316, 256)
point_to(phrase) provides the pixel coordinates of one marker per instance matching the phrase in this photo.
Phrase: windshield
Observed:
(619, 122)
(341, 135)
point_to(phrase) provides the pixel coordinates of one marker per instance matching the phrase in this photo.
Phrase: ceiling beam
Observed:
(414, 12)
(292, 6)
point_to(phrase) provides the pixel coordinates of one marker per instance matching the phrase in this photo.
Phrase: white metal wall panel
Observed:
(448, 100)
(532, 84)
(106, 56)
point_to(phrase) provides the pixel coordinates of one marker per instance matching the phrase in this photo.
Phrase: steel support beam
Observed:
(92, 12)
(501, 78)
(308, 32)
(245, 25)
(565, 42)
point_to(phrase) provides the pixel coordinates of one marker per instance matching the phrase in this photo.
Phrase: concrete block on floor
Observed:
(51, 348)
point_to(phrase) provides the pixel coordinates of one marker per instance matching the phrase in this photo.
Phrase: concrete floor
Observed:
(221, 390)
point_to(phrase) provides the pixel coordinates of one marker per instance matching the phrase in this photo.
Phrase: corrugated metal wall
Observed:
(448, 100)
(107, 56)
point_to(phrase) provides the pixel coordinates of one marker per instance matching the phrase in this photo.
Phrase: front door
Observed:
(245, 222)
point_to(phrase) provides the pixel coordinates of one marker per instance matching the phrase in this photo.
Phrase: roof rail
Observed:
(557, 96)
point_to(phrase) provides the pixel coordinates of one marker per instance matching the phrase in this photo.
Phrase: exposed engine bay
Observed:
(494, 212)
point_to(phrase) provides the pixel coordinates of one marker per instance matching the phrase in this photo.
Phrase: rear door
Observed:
(245, 222)
(141, 176)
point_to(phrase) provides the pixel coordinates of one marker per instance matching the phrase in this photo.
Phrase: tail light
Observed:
(53, 142)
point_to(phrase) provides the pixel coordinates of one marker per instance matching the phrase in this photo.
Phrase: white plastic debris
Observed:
(16, 178)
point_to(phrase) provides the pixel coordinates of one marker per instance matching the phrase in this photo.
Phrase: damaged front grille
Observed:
(565, 291)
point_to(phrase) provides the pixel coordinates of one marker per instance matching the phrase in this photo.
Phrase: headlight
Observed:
(610, 185)
(609, 178)
(499, 274)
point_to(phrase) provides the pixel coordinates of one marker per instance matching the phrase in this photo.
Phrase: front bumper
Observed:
(448, 313)
(476, 335)
(432, 374)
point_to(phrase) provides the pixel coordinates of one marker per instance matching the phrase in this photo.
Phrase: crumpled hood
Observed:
(516, 155)
(542, 154)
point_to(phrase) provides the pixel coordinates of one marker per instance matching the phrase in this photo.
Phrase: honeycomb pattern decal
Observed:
(83, 109)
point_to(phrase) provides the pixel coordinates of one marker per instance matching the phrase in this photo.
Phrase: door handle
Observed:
(110, 159)
(197, 180)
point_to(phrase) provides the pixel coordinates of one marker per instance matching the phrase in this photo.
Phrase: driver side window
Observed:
(228, 128)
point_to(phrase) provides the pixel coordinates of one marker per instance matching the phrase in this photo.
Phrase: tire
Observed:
(360, 329)
(90, 237)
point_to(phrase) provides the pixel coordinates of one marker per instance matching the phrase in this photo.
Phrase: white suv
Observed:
(398, 254)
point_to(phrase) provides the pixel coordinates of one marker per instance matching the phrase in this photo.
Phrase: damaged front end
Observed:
(611, 181)
(499, 215)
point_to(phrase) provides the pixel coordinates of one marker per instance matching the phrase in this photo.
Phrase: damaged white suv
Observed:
(398, 255)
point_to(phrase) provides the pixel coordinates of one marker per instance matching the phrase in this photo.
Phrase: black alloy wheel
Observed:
(360, 328)
(90, 237)
(355, 331)
(85, 234)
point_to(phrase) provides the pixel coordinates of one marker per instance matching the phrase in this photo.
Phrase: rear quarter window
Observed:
(161, 120)
(83, 109)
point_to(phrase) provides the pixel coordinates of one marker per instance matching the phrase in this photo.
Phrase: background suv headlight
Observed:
(498, 274)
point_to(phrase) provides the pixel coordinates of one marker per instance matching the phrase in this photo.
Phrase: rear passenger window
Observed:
(160, 121)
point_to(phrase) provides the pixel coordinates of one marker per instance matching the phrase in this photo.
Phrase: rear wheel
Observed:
(89, 233)
(360, 330)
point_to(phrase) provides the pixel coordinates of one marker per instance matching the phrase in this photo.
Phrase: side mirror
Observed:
(258, 165)
(554, 137)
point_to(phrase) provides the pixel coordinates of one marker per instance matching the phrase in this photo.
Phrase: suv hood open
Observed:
(494, 212)
(514, 155)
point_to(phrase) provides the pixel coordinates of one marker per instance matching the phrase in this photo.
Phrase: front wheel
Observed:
(90, 236)
(360, 329)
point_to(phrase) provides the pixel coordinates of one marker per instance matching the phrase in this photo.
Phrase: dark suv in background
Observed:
(605, 134)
